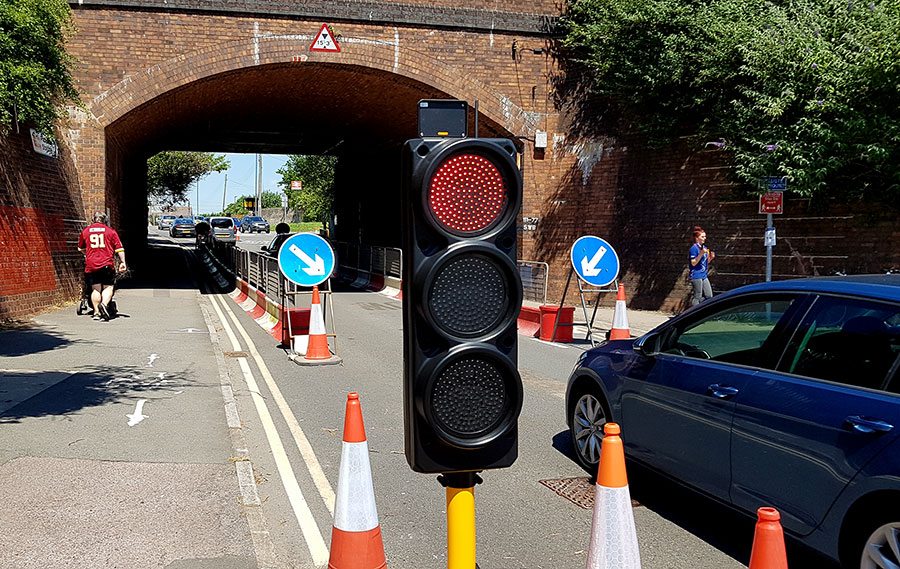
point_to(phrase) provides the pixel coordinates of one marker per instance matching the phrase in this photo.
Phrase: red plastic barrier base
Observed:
(529, 323)
(563, 327)
(299, 324)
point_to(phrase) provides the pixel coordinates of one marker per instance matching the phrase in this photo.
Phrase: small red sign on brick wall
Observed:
(771, 202)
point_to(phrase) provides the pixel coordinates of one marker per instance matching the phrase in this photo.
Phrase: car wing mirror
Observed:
(647, 345)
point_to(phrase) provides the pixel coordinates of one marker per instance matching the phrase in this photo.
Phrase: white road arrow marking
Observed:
(590, 268)
(138, 415)
(152, 358)
(315, 267)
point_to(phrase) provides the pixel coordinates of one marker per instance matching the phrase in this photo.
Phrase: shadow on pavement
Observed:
(22, 340)
(80, 390)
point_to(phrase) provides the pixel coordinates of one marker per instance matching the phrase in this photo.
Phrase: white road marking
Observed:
(152, 358)
(138, 415)
(263, 545)
(313, 537)
(306, 450)
(554, 344)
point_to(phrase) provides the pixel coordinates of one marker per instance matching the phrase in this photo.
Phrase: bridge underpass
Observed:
(363, 116)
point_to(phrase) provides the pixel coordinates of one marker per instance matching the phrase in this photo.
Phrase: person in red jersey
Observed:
(100, 244)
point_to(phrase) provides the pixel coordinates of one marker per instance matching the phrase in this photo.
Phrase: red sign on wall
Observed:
(771, 202)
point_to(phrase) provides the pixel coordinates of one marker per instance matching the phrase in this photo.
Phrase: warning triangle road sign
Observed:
(324, 41)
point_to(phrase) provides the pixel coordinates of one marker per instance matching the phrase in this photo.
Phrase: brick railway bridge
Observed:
(238, 76)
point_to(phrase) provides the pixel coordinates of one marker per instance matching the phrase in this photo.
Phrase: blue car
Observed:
(782, 394)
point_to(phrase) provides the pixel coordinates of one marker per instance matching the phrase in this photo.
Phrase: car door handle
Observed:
(722, 391)
(868, 424)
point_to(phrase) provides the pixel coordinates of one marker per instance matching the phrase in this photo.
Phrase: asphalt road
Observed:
(267, 470)
(521, 522)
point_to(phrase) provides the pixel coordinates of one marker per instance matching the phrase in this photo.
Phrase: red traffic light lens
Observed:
(467, 194)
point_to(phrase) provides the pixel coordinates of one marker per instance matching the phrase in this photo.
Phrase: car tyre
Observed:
(881, 548)
(870, 537)
(587, 416)
(267, 230)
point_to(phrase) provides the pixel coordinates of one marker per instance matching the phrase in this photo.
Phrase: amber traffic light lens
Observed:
(468, 194)
(469, 296)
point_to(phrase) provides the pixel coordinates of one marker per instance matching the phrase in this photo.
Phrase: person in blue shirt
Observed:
(700, 259)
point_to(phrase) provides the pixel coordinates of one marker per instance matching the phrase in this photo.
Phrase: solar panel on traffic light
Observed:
(462, 295)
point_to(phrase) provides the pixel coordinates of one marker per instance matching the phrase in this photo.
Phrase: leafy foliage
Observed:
(317, 174)
(807, 89)
(171, 173)
(35, 70)
(270, 199)
(236, 208)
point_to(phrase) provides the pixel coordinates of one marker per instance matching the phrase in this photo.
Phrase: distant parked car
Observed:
(237, 223)
(254, 223)
(221, 229)
(782, 394)
(183, 227)
(165, 221)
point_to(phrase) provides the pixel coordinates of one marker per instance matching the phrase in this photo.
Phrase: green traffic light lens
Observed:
(470, 397)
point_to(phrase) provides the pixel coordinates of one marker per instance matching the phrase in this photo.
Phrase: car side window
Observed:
(735, 334)
(845, 340)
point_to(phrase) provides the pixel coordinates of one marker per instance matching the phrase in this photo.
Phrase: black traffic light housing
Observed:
(461, 299)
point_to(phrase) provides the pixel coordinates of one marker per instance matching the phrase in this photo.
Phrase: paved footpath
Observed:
(114, 445)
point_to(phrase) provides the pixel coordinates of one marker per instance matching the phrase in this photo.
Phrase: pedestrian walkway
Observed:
(640, 321)
(115, 449)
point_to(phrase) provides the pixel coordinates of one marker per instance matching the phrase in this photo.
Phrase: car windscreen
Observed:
(254, 219)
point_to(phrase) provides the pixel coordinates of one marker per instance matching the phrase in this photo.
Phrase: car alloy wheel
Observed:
(882, 549)
(588, 418)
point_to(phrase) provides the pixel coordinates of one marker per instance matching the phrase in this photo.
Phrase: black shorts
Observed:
(105, 276)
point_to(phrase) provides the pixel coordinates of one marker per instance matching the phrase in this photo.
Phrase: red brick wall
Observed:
(148, 70)
(41, 215)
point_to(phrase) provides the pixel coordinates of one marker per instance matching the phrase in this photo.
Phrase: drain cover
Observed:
(579, 491)
(235, 354)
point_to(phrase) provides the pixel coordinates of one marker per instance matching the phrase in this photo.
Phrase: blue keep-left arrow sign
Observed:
(595, 260)
(306, 259)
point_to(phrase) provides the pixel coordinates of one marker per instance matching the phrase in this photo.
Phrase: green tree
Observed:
(236, 207)
(171, 173)
(316, 199)
(805, 89)
(35, 70)
(270, 199)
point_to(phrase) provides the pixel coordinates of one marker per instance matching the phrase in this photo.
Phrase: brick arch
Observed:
(387, 56)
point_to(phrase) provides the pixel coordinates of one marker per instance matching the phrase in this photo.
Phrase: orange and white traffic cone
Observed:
(613, 537)
(356, 536)
(317, 349)
(620, 329)
(768, 541)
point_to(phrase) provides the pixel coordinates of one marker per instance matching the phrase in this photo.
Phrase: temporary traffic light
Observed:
(250, 203)
(462, 295)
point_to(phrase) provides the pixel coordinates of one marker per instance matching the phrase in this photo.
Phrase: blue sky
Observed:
(241, 181)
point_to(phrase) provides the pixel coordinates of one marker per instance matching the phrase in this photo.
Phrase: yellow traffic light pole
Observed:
(460, 518)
